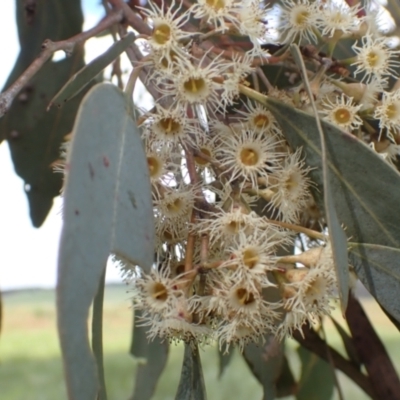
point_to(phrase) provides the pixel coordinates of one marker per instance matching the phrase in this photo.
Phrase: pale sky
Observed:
(28, 255)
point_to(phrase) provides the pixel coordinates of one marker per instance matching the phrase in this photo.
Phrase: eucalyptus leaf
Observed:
(343, 50)
(139, 341)
(378, 268)
(348, 343)
(278, 76)
(265, 362)
(34, 135)
(392, 319)
(317, 380)
(84, 76)
(107, 209)
(364, 188)
(286, 384)
(150, 369)
(191, 384)
(360, 179)
(337, 235)
(97, 336)
(224, 359)
(153, 358)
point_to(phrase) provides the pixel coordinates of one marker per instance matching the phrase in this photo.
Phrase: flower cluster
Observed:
(218, 166)
(228, 192)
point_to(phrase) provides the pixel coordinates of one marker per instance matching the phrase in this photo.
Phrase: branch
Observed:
(132, 18)
(135, 55)
(311, 341)
(48, 49)
(372, 352)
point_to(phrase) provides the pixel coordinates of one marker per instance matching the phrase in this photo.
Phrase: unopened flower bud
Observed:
(355, 90)
(296, 275)
(288, 292)
(310, 257)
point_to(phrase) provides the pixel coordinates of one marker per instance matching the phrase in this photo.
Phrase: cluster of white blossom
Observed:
(219, 162)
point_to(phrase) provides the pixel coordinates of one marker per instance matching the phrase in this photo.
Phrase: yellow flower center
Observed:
(194, 85)
(244, 297)
(175, 206)
(250, 258)
(342, 116)
(170, 126)
(301, 18)
(234, 227)
(337, 18)
(216, 4)
(260, 121)
(392, 111)
(159, 292)
(154, 166)
(201, 161)
(249, 157)
(161, 34)
(372, 58)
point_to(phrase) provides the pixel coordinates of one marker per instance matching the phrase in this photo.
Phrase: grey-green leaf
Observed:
(84, 76)
(107, 209)
(317, 380)
(286, 385)
(347, 343)
(191, 385)
(360, 179)
(150, 369)
(33, 134)
(265, 361)
(337, 236)
(97, 336)
(224, 359)
(139, 340)
(153, 355)
(365, 189)
(378, 268)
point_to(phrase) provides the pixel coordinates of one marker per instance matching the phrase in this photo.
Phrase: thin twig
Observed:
(203, 259)
(189, 253)
(116, 66)
(256, 83)
(332, 364)
(135, 55)
(264, 79)
(48, 49)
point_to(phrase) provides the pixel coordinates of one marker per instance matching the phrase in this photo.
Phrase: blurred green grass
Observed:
(31, 367)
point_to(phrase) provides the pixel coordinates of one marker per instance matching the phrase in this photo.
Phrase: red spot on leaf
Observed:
(91, 171)
(106, 161)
